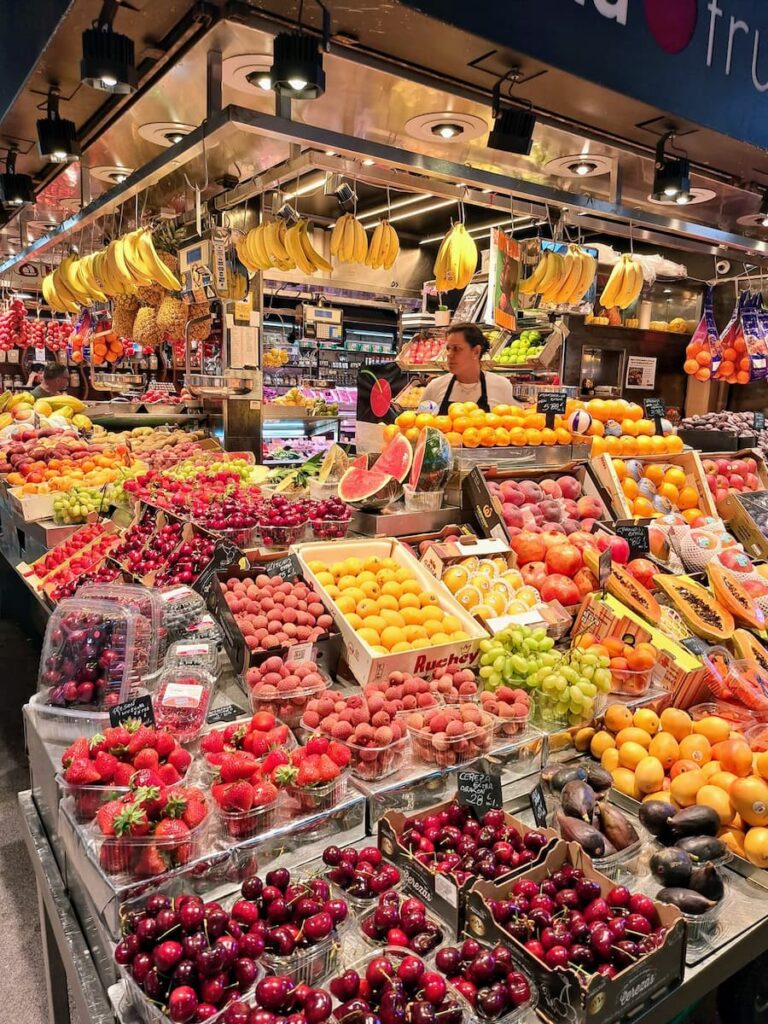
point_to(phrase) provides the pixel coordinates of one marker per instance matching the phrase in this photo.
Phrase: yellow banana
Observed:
(588, 271)
(552, 272)
(68, 273)
(319, 261)
(615, 284)
(134, 261)
(154, 265)
(467, 259)
(347, 247)
(296, 251)
(66, 297)
(393, 246)
(256, 248)
(121, 265)
(50, 295)
(373, 259)
(337, 234)
(530, 285)
(242, 255)
(570, 278)
(633, 284)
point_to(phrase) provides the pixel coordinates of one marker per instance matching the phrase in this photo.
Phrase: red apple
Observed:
(564, 559)
(643, 570)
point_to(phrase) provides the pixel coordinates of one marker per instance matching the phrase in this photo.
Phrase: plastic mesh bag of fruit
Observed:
(702, 354)
(756, 344)
(732, 345)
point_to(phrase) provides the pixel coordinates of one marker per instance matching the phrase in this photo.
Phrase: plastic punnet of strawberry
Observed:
(255, 736)
(316, 774)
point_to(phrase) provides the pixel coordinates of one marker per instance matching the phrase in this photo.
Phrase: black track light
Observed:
(56, 137)
(16, 190)
(297, 63)
(108, 62)
(672, 175)
(513, 126)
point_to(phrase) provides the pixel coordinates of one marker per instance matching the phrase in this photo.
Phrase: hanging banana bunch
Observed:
(624, 285)
(349, 242)
(456, 260)
(561, 279)
(302, 251)
(384, 247)
(263, 248)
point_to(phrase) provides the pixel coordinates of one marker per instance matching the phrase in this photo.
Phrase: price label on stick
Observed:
(758, 422)
(551, 403)
(539, 806)
(137, 709)
(479, 790)
(656, 411)
(604, 568)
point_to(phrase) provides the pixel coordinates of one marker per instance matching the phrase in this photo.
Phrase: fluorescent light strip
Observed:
(305, 189)
(423, 209)
(398, 203)
(481, 228)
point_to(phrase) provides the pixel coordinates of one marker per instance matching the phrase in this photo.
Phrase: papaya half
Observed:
(703, 614)
(624, 587)
(733, 596)
(748, 647)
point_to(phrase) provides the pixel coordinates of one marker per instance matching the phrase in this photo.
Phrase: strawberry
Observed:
(213, 742)
(233, 733)
(97, 743)
(146, 758)
(117, 738)
(339, 753)
(278, 737)
(328, 769)
(309, 774)
(218, 791)
(149, 862)
(114, 856)
(273, 760)
(79, 751)
(255, 743)
(236, 766)
(171, 829)
(151, 799)
(180, 758)
(214, 760)
(123, 774)
(106, 765)
(264, 793)
(81, 772)
(316, 745)
(106, 814)
(237, 796)
(195, 813)
(165, 744)
(284, 774)
(131, 821)
(145, 777)
(142, 737)
(168, 774)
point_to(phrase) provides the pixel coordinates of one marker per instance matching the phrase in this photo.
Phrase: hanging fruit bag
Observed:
(702, 351)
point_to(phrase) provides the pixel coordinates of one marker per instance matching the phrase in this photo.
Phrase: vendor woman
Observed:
(466, 382)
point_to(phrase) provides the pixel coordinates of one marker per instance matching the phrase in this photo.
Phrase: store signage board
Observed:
(551, 403)
(655, 410)
(703, 60)
(287, 567)
(641, 373)
(475, 495)
(479, 790)
(139, 709)
(226, 713)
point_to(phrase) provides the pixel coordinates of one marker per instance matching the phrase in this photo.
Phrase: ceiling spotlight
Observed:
(583, 167)
(108, 62)
(174, 137)
(16, 190)
(56, 138)
(447, 131)
(672, 175)
(368, 162)
(260, 78)
(513, 126)
(118, 177)
(297, 63)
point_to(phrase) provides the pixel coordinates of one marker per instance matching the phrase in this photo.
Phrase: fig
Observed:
(702, 848)
(698, 820)
(599, 779)
(687, 900)
(616, 826)
(550, 769)
(672, 867)
(562, 777)
(655, 816)
(578, 800)
(574, 830)
(706, 880)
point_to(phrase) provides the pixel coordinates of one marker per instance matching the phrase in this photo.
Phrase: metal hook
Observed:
(631, 239)
(196, 188)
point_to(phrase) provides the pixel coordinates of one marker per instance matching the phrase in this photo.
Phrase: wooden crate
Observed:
(688, 461)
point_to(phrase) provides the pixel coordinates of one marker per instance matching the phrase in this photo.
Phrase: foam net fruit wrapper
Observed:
(702, 354)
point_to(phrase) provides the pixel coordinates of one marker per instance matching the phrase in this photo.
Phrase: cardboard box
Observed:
(591, 486)
(561, 997)
(688, 461)
(364, 663)
(738, 511)
(30, 507)
(438, 557)
(325, 652)
(442, 894)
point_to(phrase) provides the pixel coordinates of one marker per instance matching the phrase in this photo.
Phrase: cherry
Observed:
(557, 956)
(182, 1004)
(167, 955)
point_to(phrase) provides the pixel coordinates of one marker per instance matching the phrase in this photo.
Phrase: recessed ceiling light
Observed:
(164, 133)
(112, 175)
(397, 204)
(368, 162)
(692, 197)
(447, 131)
(330, 152)
(313, 185)
(248, 72)
(579, 165)
(446, 126)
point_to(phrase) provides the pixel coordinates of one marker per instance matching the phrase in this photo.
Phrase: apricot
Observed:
(649, 774)
(633, 735)
(711, 768)
(601, 742)
(682, 766)
(660, 794)
(624, 781)
(722, 779)
(750, 798)
(678, 723)
(646, 720)
(761, 764)
(617, 717)
(610, 759)
(734, 756)
(685, 787)
(733, 838)
(718, 800)
(756, 846)
(696, 748)
(664, 746)
(714, 728)
(631, 754)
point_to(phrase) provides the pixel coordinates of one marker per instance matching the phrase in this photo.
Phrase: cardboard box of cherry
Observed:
(495, 846)
(597, 951)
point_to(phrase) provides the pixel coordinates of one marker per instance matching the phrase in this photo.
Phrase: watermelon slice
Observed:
(432, 461)
(368, 488)
(396, 458)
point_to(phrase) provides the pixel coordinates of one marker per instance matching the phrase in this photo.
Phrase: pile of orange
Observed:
(658, 490)
(105, 347)
(622, 656)
(705, 762)
(468, 426)
(61, 474)
(734, 366)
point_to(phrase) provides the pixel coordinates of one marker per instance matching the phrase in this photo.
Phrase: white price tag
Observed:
(191, 650)
(13, 355)
(176, 594)
(445, 888)
(182, 695)
(302, 652)
(40, 354)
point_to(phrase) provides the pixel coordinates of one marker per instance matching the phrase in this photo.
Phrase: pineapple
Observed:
(145, 328)
(202, 330)
(167, 242)
(151, 294)
(124, 308)
(172, 318)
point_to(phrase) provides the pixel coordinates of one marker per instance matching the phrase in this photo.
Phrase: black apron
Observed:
(482, 402)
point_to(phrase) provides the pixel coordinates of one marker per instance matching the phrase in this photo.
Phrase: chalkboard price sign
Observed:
(655, 410)
(226, 713)
(759, 421)
(287, 567)
(636, 537)
(480, 791)
(551, 403)
(604, 568)
(138, 709)
(539, 806)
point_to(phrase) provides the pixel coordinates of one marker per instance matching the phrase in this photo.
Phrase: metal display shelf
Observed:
(124, 421)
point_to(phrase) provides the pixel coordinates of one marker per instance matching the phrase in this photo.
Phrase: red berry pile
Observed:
(450, 735)
(256, 737)
(247, 798)
(511, 706)
(274, 612)
(402, 922)
(400, 692)
(454, 684)
(146, 548)
(363, 874)
(186, 563)
(151, 829)
(189, 958)
(279, 998)
(282, 521)
(377, 740)
(103, 574)
(566, 921)
(73, 545)
(487, 978)
(284, 687)
(330, 519)
(311, 772)
(454, 842)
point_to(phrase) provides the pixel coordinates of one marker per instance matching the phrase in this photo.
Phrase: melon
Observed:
(396, 458)
(368, 488)
(432, 461)
(334, 465)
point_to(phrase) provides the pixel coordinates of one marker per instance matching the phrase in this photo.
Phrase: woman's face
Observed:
(463, 360)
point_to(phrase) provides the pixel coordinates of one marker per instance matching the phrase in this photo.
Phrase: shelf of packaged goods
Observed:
(123, 421)
(269, 411)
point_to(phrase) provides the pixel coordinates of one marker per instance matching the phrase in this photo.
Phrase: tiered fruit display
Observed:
(468, 426)
(655, 489)
(402, 922)
(44, 415)
(71, 546)
(561, 279)
(456, 259)
(80, 469)
(275, 612)
(402, 692)
(523, 349)
(488, 587)
(453, 842)
(512, 707)
(557, 505)
(489, 979)
(100, 574)
(284, 688)
(362, 874)
(386, 605)
(189, 957)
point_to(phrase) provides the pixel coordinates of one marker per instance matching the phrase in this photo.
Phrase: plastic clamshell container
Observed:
(148, 1012)
(702, 928)
(632, 682)
(320, 798)
(281, 536)
(440, 749)
(81, 633)
(193, 654)
(180, 701)
(86, 800)
(623, 863)
(739, 717)
(319, 492)
(311, 965)
(150, 632)
(244, 824)
(181, 607)
(287, 705)
(757, 737)
(330, 529)
(208, 769)
(360, 905)
(370, 763)
(422, 501)
(444, 935)
(61, 725)
(546, 712)
(203, 628)
(521, 1014)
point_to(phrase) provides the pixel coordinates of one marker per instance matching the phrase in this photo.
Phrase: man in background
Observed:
(55, 381)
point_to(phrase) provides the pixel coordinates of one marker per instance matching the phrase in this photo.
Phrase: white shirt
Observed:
(498, 387)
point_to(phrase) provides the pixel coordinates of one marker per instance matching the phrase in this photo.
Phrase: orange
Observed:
(443, 423)
(690, 366)
(691, 514)
(628, 445)
(664, 746)
(457, 409)
(596, 429)
(684, 788)
(674, 444)
(601, 742)
(535, 421)
(629, 427)
(548, 436)
(412, 434)
(734, 756)
(649, 775)
(501, 437)
(718, 800)
(487, 437)
(597, 409)
(714, 728)
(617, 717)
(631, 754)
(761, 764)
(460, 424)
(654, 473)
(633, 735)
(630, 488)
(696, 748)
(613, 445)
(598, 446)
(492, 420)
(658, 445)
(645, 427)
(470, 438)
(502, 410)
(620, 469)
(564, 435)
(646, 720)
(669, 491)
(642, 507)
(532, 436)
(424, 419)
(750, 799)
(688, 498)
(453, 439)
(675, 475)
(644, 445)
(517, 436)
